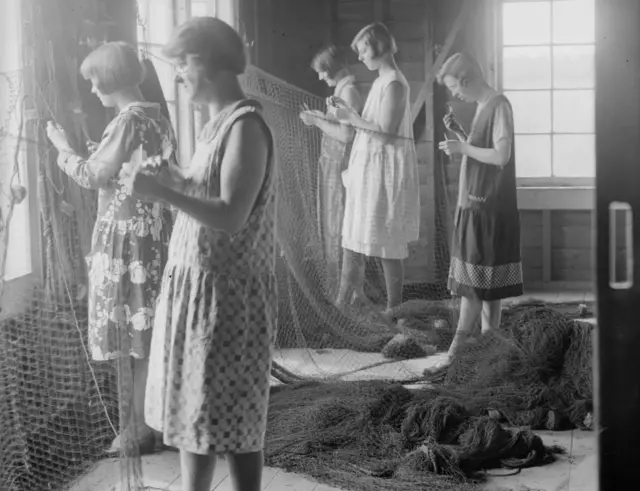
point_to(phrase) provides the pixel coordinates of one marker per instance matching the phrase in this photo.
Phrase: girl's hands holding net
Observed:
(58, 137)
(452, 124)
(310, 116)
(140, 184)
(171, 176)
(452, 147)
(341, 110)
(92, 146)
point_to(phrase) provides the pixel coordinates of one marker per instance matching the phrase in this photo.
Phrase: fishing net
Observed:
(341, 408)
(476, 415)
(316, 339)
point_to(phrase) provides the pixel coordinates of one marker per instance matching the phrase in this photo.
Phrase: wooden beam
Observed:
(546, 246)
(378, 11)
(442, 56)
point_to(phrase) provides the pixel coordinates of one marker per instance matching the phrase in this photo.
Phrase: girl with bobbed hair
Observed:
(331, 65)
(382, 211)
(485, 255)
(131, 235)
(216, 317)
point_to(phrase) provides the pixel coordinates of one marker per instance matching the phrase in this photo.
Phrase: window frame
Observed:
(581, 184)
(17, 288)
(189, 119)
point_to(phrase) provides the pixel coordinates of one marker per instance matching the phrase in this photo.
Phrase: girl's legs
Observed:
(491, 314)
(197, 471)
(394, 279)
(140, 369)
(470, 312)
(352, 278)
(245, 469)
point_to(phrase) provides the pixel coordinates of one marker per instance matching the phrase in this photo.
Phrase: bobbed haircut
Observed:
(461, 66)
(378, 37)
(113, 66)
(217, 45)
(331, 60)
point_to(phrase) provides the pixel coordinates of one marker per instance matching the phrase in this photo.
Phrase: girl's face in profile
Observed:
(105, 99)
(366, 55)
(458, 89)
(324, 76)
(192, 75)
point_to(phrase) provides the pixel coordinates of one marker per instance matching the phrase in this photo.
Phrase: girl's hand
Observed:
(141, 185)
(452, 124)
(345, 114)
(58, 137)
(309, 117)
(172, 177)
(92, 146)
(452, 147)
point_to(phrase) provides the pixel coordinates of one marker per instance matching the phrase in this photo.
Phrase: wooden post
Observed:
(442, 56)
(617, 360)
(426, 156)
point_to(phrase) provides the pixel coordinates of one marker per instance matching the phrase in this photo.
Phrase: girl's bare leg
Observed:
(197, 471)
(470, 312)
(246, 470)
(491, 315)
(394, 280)
(352, 278)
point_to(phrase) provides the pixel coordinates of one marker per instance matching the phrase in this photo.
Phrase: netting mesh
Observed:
(316, 339)
(334, 418)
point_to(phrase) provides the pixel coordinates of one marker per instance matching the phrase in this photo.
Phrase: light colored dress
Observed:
(209, 369)
(130, 239)
(382, 206)
(334, 158)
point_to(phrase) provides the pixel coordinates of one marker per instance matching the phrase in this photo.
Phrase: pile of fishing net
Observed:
(535, 371)
(478, 414)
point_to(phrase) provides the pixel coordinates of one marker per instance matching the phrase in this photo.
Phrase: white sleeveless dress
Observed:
(382, 205)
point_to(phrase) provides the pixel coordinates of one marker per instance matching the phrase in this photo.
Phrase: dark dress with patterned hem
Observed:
(485, 253)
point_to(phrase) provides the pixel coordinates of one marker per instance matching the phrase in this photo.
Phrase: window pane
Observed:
(574, 111)
(165, 70)
(526, 23)
(526, 68)
(574, 21)
(533, 155)
(156, 20)
(574, 155)
(574, 67)
(202, 8)
(531, 111)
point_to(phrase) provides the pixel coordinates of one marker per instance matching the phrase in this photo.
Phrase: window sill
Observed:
(556, 198)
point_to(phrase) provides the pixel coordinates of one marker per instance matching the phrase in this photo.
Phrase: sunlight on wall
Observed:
(18, 261)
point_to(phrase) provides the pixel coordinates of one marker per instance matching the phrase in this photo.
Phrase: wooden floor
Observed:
(162, 471)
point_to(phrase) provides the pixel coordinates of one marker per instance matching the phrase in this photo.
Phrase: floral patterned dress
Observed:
(334, 158)
(130, 238)
(212, 345)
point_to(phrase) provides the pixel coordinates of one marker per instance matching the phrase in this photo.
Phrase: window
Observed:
(157, 20)
(547, 70)
(19, 249)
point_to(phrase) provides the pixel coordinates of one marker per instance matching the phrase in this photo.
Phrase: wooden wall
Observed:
(285, 34)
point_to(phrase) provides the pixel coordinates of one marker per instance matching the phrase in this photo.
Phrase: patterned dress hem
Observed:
(485, 295)
(218, 450)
